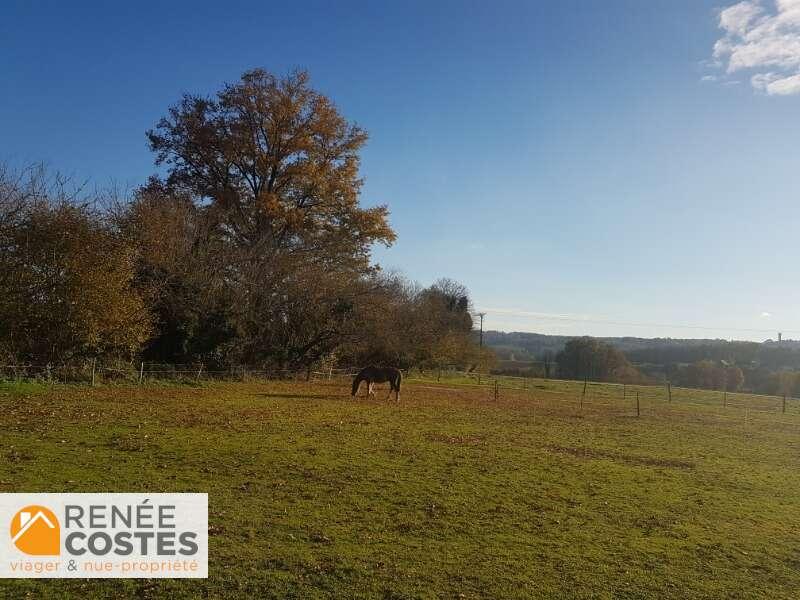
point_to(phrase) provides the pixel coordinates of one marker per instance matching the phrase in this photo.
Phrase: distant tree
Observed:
(596, 360)
(756, 379)
(452, 348)
(486, 361)
(734, 378)
(786, 383)
(711, 375)
(444, 325)
(703, 374)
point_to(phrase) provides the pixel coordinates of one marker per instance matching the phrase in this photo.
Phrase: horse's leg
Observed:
(356, 386)
(370, 389)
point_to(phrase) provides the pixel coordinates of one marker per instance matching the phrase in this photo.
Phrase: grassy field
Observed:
(449, 494)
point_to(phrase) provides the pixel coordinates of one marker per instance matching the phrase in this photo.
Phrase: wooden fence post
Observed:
(624, 393)
(669, 391)
(495, 389)
(637, 404)
(94, 364)
(784, 403)
(583, 394)
(141, 373)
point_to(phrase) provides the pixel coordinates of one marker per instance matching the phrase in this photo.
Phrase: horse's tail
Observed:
(356, 383)
(399, 379)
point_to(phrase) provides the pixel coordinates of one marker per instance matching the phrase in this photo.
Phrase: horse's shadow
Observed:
(296, 396)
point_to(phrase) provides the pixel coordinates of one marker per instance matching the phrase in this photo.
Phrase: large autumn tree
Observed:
(273, 167)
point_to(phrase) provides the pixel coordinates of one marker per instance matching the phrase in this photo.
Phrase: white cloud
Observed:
(738, 17)
(766, 315)
(777, 86)
(763, 38)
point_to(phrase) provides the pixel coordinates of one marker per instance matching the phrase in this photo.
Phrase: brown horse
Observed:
(373, 375)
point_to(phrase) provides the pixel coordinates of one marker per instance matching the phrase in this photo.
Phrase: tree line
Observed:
(767, 355)
(252, 246)
(597, 360)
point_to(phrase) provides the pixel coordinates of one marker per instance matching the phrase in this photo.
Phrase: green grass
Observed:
(447, 495)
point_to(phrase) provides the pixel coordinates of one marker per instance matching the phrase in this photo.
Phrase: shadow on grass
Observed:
(298, 396)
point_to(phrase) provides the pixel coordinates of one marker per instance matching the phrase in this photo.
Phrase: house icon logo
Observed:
(35, 530)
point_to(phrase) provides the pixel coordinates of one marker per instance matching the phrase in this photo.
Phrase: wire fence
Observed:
(496, 385)
(582, 392)
(92, 372)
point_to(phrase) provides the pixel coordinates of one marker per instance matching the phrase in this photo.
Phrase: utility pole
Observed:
(481, 315)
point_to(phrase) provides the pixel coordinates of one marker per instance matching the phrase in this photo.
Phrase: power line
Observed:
(546, 317)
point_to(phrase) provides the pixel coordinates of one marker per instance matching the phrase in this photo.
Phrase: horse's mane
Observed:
(372, 371)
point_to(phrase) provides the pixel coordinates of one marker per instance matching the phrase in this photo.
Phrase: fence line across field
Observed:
(143, 371)
(494, 383)
(667, 387)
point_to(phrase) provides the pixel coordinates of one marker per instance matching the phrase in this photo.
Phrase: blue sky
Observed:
(628, 165)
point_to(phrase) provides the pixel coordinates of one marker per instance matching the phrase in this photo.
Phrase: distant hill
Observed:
(522, 346)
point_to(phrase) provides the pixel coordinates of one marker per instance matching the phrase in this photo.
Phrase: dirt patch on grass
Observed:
(648, 461)
(464, 440)
(437, 388)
